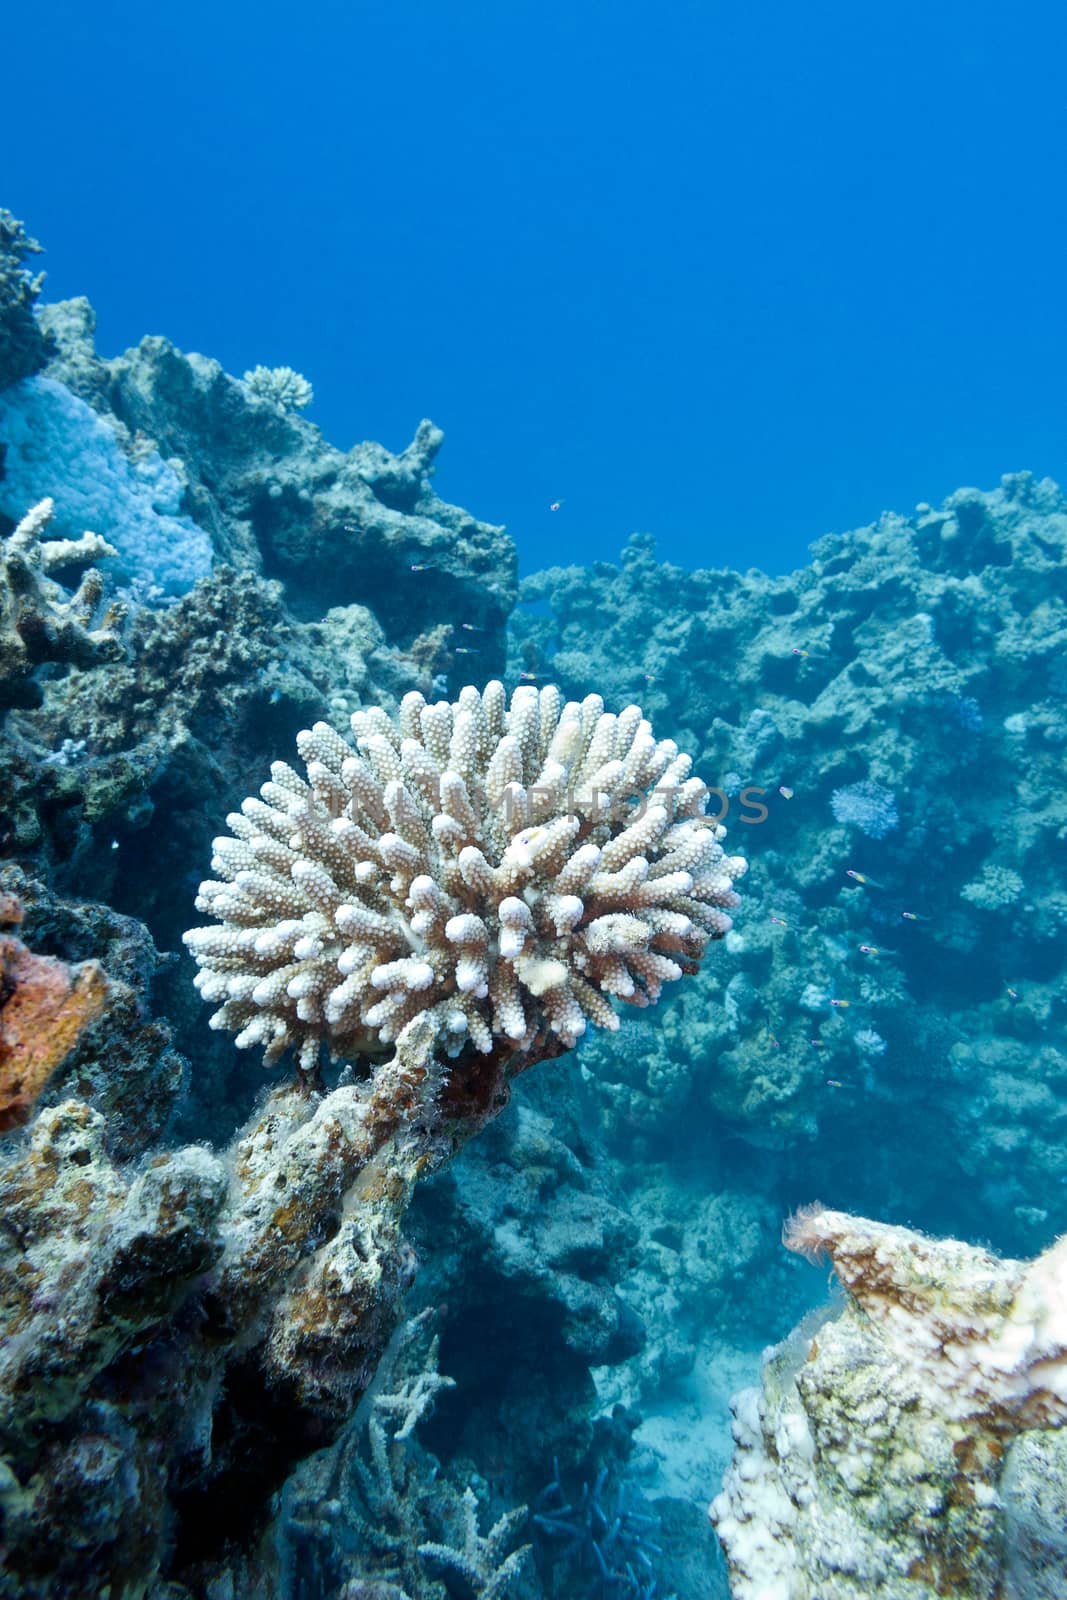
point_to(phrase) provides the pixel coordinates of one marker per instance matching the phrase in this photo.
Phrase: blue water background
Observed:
(735, 275)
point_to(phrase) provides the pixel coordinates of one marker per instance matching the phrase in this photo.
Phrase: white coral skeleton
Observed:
(508, 869)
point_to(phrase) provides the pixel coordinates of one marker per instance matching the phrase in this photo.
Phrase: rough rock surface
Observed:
(871, 1465)
(901, 980)
(24, 347)
(362, 525)
(526, 1250)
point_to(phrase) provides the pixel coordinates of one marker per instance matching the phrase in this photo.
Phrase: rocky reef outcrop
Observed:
(901, 708)
(910, 1442)
(25, 347)
(338, 526)
(179, 1334)
(197, 1290)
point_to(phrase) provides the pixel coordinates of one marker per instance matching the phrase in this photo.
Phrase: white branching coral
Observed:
(508, 869)
(49, 554)
(282, 387)
(42, 621)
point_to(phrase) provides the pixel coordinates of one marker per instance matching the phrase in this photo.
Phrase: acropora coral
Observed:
(280, 386)
(483, 865)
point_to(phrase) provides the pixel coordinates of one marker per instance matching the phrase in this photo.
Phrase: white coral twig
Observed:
(48, 554)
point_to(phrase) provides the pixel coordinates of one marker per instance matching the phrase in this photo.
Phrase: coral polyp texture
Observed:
(508, 869)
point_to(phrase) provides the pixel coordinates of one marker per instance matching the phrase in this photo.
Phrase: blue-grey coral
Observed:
(868, 806)
(56, 444)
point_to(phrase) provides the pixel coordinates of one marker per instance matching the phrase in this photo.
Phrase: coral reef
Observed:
(374, 1516)
(190, 697)
(24, 347)
(918, 663)
(872, 1462)
(128, 1292)
(362, 525)
(160, 1323)
(480, 865)
(186, 1329)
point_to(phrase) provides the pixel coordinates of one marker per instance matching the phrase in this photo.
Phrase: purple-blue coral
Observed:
(866, 806)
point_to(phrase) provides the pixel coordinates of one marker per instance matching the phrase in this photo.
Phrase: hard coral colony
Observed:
(504, 870)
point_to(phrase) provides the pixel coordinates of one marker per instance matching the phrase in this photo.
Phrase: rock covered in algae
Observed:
(912, 1445)
(24, 347)
(915, 671)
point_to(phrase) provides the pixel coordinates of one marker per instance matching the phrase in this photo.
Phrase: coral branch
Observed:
(39, 620)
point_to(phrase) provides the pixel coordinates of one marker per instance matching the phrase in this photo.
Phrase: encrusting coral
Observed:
(872, 1462)
(504, 870)
(45, 1006)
